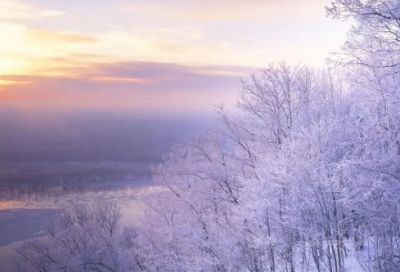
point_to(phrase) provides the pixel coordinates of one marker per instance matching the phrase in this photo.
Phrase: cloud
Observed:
(121, 80)
(129, 86)
(61, 37)
(11, 82)
(231, 10)
(26, 50)
(193, 33)
(138, 45)
(13, 9)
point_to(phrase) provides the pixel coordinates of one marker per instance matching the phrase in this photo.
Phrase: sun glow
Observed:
(11, 66)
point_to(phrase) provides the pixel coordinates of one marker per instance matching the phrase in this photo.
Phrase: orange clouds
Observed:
(11, 82)
(122, 80)
(28, 51)
(238, 33)
(126, 86)
(70, 38)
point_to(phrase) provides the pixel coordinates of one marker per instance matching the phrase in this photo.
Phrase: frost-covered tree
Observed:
(241, 197)
(372, 59)
(374, 38)
(84, 236)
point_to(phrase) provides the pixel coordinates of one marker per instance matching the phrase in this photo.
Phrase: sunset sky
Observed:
(171, 55)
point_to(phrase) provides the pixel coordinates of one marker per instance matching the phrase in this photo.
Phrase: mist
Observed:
(92, 136)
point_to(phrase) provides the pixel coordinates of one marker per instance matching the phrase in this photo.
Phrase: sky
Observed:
(151, 55)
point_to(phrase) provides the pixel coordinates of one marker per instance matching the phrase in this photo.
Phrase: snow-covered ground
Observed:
(351, 263)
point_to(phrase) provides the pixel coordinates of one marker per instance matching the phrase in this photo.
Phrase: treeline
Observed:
(309, 168)
(24, 179)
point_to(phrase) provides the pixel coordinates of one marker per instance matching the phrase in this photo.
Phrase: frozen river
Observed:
(25, 217)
